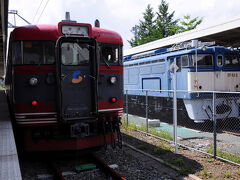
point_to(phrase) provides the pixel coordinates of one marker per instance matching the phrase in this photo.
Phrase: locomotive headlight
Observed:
(113, 80)
(33, 81)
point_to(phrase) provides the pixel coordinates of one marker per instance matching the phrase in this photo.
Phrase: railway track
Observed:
(94, 160)
(63, 167)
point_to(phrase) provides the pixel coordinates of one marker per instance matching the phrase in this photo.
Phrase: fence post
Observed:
(127, 105)
(146, 111)
(175, 107)
(214, 127)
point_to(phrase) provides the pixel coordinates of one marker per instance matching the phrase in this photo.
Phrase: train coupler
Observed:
(79, 130)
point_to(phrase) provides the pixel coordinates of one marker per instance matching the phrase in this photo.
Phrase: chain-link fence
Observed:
(206, 121)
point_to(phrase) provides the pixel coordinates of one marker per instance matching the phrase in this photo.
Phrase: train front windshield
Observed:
(33, 52)
(74, 54)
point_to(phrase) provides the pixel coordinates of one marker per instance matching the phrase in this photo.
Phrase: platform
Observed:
(9, 164)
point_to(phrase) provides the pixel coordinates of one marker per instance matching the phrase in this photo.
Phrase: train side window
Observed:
(49, 48)
(178, 63)
(219, 60)
(32, 52)
(16, 53)
(111, 54)
(231, 59)
(184, 61)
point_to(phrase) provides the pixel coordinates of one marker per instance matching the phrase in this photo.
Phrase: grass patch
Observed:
(209, 160)
(178, 162)
(238, 172)
(227, 175)
(133, 127)
(162, 134)
(205, 173)
(159, 150)
(129, 126)
(225, 155)
(163, 148)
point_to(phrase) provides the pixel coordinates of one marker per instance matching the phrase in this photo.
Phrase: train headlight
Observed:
(33, 81)
(113, 80)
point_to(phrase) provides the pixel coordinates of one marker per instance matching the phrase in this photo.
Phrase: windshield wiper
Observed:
(109, 67)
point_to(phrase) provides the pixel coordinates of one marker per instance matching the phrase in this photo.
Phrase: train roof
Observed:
(225, 34)
(50, 32)
(35, 32)
(165, 52)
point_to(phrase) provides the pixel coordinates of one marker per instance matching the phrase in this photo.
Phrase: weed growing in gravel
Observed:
(225, 155)
(238, 172)
(205, 173)
(178, 162)
(227, 175)
(159, 150)
(209, 160)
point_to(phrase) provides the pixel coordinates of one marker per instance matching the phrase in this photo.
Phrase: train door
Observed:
(77, 78)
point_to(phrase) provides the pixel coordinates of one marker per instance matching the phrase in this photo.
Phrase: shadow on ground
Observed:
(183, 165)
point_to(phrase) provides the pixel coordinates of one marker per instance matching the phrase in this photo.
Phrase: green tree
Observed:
(144, 32)
(188, 24)
(166, 25)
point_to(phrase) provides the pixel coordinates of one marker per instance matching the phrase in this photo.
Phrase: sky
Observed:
(120, 15)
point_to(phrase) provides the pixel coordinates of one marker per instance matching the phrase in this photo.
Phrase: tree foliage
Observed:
(160, 25)
(188, 24)
(144, 32)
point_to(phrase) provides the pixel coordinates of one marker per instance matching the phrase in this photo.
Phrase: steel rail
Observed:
(106, 169)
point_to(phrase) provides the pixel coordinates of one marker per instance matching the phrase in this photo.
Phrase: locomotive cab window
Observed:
(203, 60)
(231, 59)
(110, 55)
(74, 54)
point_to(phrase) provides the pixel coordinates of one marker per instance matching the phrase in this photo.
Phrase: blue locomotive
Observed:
(202, 67)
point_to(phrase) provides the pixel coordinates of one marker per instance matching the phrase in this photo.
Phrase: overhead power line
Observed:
(37, 11)
(42, 11)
